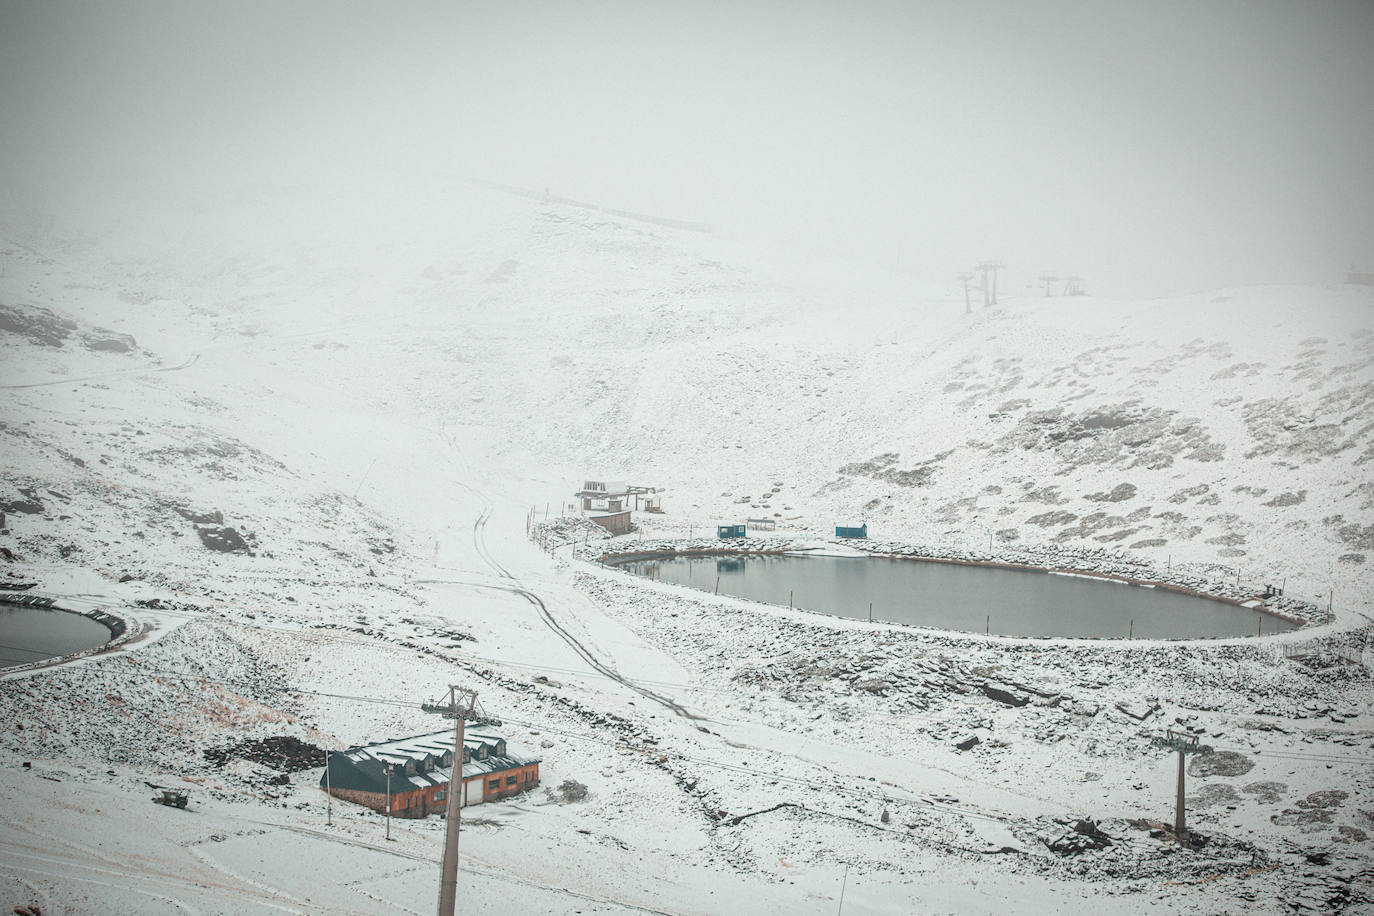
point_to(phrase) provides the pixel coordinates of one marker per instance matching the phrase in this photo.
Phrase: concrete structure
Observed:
(609, 503)
(602, 495)
(421, 771)
(613, 496)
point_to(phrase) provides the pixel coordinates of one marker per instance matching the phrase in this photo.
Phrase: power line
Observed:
(330, 633)
(468, 658)
(23, 649)
(150, 673)
(461, 657)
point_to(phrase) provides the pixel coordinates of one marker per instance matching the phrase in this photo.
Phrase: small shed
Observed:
(730, 531)
(859, 532)
(615, 522)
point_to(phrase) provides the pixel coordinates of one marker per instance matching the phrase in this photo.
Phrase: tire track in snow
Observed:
(186, 364)
(67, 876)
(517, 587)
(486, 869)
(100, 863)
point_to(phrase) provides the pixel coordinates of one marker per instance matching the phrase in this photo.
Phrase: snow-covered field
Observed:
(306, 483)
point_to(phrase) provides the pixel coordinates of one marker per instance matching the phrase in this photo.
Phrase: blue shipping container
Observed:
(860, 532)
(729, 531)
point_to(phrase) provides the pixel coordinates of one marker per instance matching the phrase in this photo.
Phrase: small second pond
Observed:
(971, 598)
(30, 634)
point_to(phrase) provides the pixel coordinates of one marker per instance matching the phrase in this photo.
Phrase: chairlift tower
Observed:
(1185, 744)
(448, 870)
(964, 277)
(1049, 279)
(989, 291)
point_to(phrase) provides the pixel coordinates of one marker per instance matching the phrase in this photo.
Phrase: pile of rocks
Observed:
(1083, 836)
(280, 752)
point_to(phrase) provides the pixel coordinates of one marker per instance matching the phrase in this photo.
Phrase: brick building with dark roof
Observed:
(421, 770)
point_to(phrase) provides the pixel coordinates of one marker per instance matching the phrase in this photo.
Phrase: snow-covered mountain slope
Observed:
(1231, 427)
(301, 465)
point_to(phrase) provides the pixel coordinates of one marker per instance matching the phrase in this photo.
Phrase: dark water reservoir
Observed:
(959, 597)
(32, 634)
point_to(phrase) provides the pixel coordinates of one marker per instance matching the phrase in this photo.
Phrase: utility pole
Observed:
(389, 768)
(329, 794)
(1185, 744)
(964, 277)
(448, 874)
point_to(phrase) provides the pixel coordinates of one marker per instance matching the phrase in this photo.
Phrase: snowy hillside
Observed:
(302, 467)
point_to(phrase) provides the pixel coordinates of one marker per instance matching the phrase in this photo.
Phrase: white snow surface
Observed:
(380, 415)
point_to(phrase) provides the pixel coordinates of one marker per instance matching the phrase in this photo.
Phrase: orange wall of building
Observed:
(422, 802)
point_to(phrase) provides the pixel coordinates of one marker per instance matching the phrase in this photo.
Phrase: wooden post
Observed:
(870, 612)
(388, 801)
(717, 585)
(789, 599)
(1180, 830)
(1131, 635)
(1260, 630)
(987, 627)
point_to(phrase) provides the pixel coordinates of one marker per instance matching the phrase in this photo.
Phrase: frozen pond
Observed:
(32, 634)
(951, 596)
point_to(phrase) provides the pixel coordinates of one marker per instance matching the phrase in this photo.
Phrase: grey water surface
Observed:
(1008, 602)
(32, 634)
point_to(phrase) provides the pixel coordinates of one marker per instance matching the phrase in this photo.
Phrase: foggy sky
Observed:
(1151, 147)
